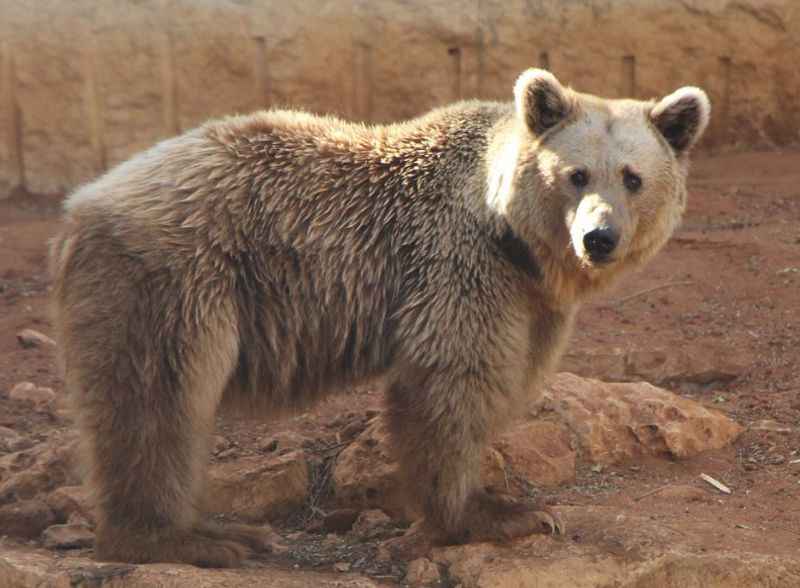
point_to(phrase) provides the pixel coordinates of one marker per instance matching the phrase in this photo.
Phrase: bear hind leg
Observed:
(146, 403)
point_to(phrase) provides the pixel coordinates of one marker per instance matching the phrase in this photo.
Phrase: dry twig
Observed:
(622, 301)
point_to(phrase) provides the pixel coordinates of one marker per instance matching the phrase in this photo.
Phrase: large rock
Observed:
(258, 488)
(613, 422)
(539, 451)
(128, 74)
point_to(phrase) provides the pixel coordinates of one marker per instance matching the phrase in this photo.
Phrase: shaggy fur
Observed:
(266, 260)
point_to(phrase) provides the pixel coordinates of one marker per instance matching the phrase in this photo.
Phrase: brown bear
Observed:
(266, 260)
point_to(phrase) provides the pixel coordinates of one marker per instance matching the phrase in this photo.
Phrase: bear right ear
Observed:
(540, 99)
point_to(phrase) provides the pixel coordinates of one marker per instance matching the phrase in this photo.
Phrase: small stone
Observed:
(370, 523)
(25, 519)
(29, 339)
(29, 392)
(74, 536)
(219, 444)
(341, 566)
(383, 554)
(228, 453)
(9, 440)
(423, 572)
(68, 502)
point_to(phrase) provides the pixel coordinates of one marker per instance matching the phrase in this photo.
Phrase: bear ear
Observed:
(541, 101)
(682, 117)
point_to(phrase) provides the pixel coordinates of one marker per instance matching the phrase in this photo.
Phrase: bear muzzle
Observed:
(600, 243)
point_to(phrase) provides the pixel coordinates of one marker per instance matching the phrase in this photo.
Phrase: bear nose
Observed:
(599, 243)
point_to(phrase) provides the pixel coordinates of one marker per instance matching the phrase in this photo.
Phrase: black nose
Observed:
(600, 243)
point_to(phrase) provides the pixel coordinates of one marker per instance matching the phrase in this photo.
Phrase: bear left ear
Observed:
(541, 101)
(682, 117)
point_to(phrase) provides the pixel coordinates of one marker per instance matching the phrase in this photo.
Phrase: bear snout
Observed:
(600, 243)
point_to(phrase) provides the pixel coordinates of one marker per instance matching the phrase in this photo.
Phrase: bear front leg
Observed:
(440, 424)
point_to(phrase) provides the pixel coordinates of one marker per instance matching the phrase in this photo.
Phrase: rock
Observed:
(68, 537)
(613, 422)
(341, 566)
(28, 338)
(29, 392)
(25, 519)
(39, 469)
(423, 572)
(366, 475)
(371, 523)
(539, 451)
(9, 440)
(258, 488)
(219, 444)
(69, 501)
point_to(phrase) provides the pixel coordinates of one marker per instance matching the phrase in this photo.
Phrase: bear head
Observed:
(594, 185)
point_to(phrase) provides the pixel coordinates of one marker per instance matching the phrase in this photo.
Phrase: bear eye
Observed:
(579, 178)
(632, 181)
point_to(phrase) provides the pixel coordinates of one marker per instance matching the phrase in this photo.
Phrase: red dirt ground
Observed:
(727, 284)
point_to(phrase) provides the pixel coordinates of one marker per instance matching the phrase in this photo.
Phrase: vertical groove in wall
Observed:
(9, 109)
(544, 60)
(169, 85)
(723, 120)
(363, 82)
(456, 69)
(261, 72)
(628, 89)
(94, 105)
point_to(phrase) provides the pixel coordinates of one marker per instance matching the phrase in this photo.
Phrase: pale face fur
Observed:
(594, 164)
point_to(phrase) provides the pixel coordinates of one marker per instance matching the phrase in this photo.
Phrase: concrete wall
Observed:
(86, 83)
